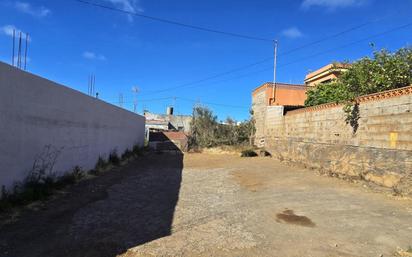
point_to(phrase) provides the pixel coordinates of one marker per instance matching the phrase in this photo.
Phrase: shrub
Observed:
(101, 164)
(137, 150)
(127, 154)
(70, 178)
(206, 131)
(383, 72)
(248, 153)
(114, 158)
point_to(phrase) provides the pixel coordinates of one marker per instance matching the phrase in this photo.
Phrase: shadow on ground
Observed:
(104, 216)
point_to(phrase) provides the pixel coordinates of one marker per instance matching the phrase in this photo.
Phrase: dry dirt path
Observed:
(212, 205)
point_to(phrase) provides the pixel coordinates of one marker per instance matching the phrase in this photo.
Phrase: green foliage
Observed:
(35, 188)
(114, 158)
(206, 131)
(101, 164)
(137, 150)
(127, 154)
(384, 71)
(248, 153)
(334, 92)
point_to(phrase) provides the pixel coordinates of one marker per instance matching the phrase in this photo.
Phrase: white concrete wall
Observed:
(35, 113)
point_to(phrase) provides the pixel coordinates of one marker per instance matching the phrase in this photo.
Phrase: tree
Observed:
(207, 132)
(384, 71)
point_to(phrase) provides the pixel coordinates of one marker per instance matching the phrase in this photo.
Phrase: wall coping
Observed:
(361, 99)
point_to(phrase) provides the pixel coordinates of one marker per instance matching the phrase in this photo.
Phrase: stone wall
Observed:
(54, 125)
(380, 151)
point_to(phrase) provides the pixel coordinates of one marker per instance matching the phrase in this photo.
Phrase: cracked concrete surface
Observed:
(213, 205)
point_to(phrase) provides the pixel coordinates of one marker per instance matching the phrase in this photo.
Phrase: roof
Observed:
(280, 85)
(333, 67)
(167, 136)
(157, 122)
(175, 135)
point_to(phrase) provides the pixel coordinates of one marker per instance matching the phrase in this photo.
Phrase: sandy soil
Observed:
(212, 205)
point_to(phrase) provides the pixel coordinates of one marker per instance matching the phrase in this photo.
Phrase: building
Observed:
(326, 74)
(168, 121)
(169, 141)
(269, 101)
(287, 96)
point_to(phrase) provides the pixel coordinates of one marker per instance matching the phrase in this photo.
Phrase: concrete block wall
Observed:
(259, 105)
(40, 119)
(380, 151)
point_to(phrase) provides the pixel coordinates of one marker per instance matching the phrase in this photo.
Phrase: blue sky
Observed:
(71, 40)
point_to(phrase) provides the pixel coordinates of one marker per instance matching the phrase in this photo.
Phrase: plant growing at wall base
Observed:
(101, 164)
(127, 154)
(33, 188)
(114, 158)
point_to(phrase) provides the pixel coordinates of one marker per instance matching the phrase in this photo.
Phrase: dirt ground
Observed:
(211, 205)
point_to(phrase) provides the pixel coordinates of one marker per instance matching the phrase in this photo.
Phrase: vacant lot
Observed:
(212, 205)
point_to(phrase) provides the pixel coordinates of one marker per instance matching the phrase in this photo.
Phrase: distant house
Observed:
(286, 96)
(326, 74)
(168, 121)
(280, 94)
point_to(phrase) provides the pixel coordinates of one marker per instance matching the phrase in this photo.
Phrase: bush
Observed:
(114, 158)
(35, 188)
(127, 154)
(248, 153)
(366, 76)
(70, 178)
(101, 164)
(137, 150)
(206, 131)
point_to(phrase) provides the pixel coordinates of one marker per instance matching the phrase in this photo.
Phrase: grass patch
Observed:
(248, 153)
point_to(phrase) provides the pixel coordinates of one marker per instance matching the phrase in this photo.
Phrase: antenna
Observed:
(93, 81)
(121, 100)
(25, 51)
(19, 52)
(88, 85)
(135, 91)
(14, 43)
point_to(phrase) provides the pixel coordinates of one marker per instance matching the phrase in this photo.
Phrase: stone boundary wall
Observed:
(43, 121)
(380, 151)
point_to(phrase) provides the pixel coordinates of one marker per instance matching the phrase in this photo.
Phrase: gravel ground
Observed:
(212, 205)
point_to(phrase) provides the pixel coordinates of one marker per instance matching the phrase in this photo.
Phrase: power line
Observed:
(263, 60)
(181, 24)
(225, 33)
(193, 84)
(351, 43)
(211, 103)
(211, 77)
(186, 99)
(281, 66)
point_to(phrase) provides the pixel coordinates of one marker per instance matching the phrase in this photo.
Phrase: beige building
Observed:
(325, 74)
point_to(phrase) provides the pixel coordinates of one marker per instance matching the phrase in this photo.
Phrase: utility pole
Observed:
(275, 42)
